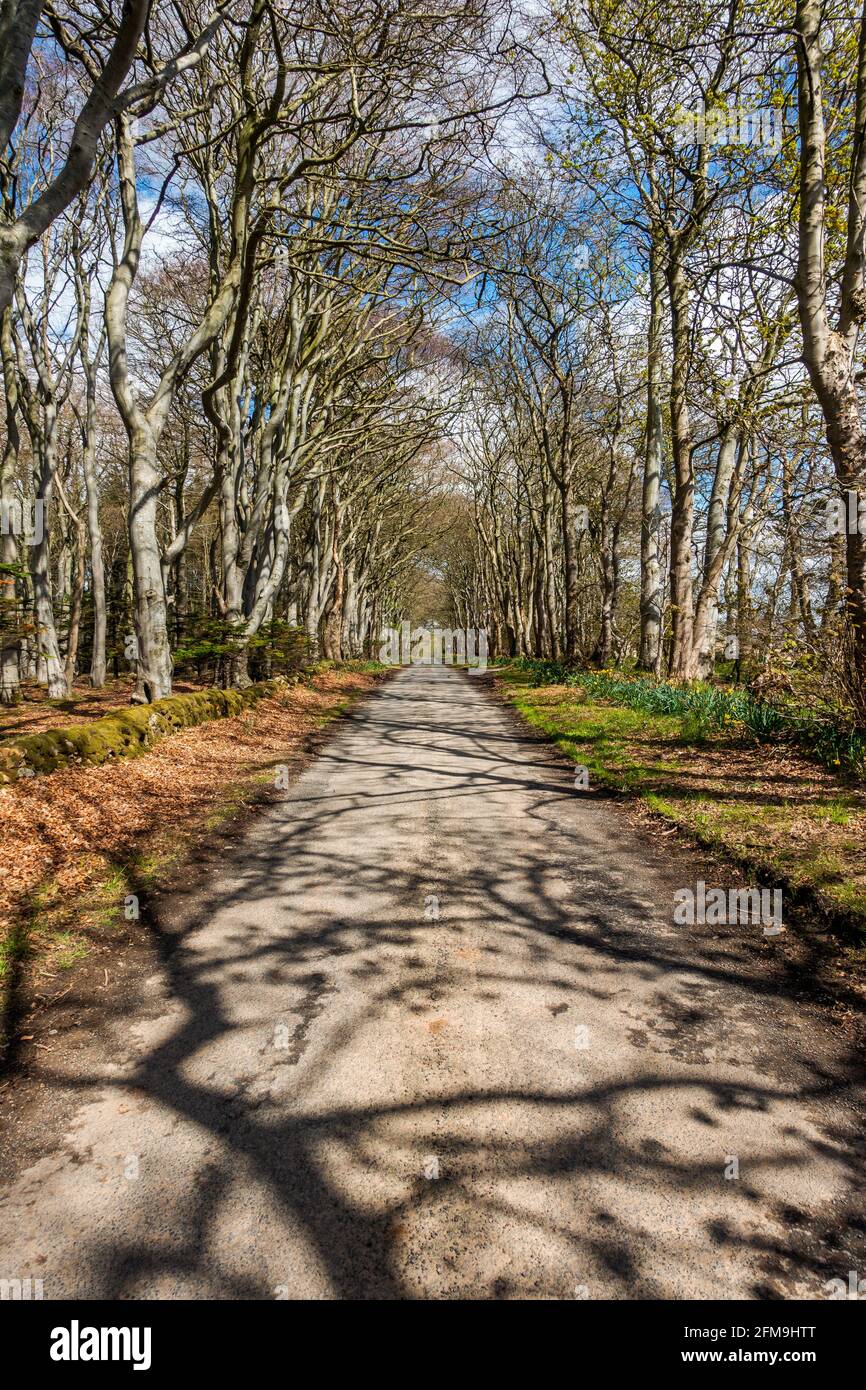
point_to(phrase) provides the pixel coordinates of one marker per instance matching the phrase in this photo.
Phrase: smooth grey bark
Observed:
(801, 599)
(144, 427)
(97, 566)
(41, 413)
(87, 424)
(18, 236)
(550, 605)
(318, 562)
(570, 548)
(349, 638)
(830, 347)
(722, 528)
(651, 586)
(744, 600)
(72, 583)
(683, 504)
(9, 663)
(153, 660)
(52, 671)
(18, 21)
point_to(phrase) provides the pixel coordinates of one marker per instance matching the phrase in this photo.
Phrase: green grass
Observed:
(602, 738)
(363, 666)
(14, 946)
(716, 785)
(829, 734)
(69, 948)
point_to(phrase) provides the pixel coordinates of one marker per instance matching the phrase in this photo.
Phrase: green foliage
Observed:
(208, 646)
(839, 746)
(805, 844)
(542, 672)
(695, 727)
(829, 738)
(364, 666)
(13, 628)
(278, 649)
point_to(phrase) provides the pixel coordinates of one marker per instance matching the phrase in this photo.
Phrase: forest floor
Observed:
(77, 844)
(761, 806)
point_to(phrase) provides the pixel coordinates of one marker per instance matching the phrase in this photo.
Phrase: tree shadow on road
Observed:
(618, 1176)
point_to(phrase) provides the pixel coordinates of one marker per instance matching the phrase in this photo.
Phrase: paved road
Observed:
(429, 1032)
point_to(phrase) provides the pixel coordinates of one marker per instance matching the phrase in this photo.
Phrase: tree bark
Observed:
(682, 513)
(829, 349)
(153, 659)
(650, 568)
(9, 666)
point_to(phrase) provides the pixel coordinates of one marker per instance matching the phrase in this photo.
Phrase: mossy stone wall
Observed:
(126, 733)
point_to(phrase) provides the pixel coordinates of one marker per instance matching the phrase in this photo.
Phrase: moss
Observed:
(124, 734)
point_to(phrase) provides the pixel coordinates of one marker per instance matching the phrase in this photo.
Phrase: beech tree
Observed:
(311, 312)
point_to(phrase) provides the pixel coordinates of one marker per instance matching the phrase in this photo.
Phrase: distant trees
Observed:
(678, 380)
(293, 292)
(229, 233)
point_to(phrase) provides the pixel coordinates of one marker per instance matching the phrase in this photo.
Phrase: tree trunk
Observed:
(830, 349)
(800, 597)
(9, 669)
(682, 516)
(603, 653)
(74, 630)
(97, 565)
(550, 605)
(153, 670)
(40, 567)
(333, 626)
(570, 545)
(650, 569)
(703, 652)
(744, 603)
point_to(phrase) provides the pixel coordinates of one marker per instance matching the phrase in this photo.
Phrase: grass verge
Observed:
(767, 809)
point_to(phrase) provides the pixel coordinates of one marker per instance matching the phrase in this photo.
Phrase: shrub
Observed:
(542, 672)
(829, 738)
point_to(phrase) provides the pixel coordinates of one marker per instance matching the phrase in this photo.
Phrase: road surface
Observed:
(429, 1031)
